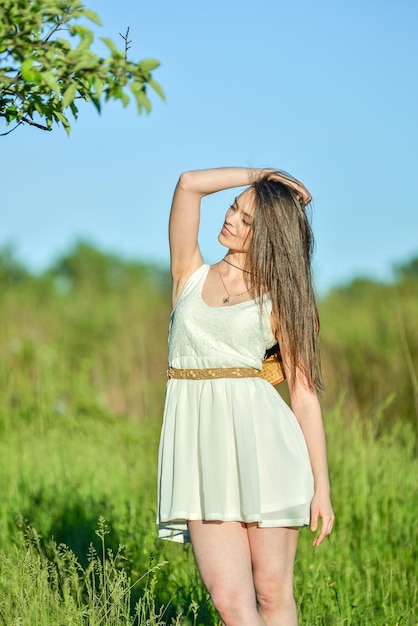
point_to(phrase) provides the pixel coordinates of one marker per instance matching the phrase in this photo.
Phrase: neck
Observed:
(236, 265)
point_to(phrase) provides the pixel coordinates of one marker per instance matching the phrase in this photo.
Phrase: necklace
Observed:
(236, 266)
(230, 295)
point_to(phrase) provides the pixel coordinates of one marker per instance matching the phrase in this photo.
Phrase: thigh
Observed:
(222, 553)
(273, 553)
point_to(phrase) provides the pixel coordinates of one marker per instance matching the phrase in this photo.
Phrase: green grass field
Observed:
(82, 377)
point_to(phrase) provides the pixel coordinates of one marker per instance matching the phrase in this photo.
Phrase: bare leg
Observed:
(223, 556)
(273, 554)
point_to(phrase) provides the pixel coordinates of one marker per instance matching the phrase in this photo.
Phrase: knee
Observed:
(230, 605)
(275, 598)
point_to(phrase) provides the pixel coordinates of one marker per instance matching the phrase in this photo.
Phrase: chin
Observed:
(221, 240)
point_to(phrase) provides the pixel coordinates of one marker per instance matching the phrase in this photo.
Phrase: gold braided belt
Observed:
(271, 371)
(213, 372)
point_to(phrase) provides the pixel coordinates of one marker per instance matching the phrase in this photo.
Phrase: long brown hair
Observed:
(279, 259)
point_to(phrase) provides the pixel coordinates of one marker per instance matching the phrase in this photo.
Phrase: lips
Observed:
(226, 232)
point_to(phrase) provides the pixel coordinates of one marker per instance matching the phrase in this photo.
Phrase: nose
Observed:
(230, 216)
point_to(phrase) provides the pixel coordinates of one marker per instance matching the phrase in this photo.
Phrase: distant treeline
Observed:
(106, 318)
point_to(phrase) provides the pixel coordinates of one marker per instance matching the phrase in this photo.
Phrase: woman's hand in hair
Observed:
(295, 185)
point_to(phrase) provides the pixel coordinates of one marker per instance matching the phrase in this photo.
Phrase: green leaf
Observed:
(69, 95)
(53, 9)
(109, 43)
(92, 16)
(147, 65)
(82, 31)
(141, 101)
(40, 107)
(49, 79)
(125, 98)
(98, 86)
(28, 73)
(96, 103)
(74, 110)
(84, 64)
(157, 88)
(64, 121)
(136, 87)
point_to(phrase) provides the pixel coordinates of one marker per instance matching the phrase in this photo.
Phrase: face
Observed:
(236, 231)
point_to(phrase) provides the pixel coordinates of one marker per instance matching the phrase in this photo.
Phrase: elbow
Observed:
(186, 181)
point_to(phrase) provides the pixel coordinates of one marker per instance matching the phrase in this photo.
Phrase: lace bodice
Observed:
(203, 336)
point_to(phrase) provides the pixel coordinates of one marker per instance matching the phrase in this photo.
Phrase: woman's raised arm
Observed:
(185, 216)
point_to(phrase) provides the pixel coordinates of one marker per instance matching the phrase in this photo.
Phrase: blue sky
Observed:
(326, 90)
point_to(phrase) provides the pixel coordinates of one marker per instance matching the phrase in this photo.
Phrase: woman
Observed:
(239, 471)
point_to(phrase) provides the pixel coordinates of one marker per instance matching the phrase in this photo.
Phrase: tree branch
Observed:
(24, 120)
(10, 131)
(56, 28)
(127, 42)
(42, 74)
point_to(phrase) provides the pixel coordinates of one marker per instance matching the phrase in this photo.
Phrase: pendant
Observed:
(225, 300)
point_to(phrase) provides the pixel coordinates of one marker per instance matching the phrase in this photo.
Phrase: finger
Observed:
(329, 522)
(304, 200)
(318, 540)
(326, 529)
(299, 188)
(305, 196)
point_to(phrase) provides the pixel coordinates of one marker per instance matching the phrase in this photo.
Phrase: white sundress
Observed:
(230, 449)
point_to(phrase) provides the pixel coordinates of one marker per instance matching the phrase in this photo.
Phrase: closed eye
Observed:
(234, 208)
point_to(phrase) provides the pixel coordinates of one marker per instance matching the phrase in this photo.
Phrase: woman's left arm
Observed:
(305, 405)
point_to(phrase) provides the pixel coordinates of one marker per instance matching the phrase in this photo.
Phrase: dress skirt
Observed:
(230, 450)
